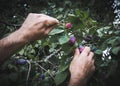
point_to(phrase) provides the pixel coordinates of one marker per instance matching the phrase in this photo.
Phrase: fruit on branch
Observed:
(21, 61)
(68, 25)
(88, 38)
(81, 48)
(41, 77)
(72, 40)
(55, 69)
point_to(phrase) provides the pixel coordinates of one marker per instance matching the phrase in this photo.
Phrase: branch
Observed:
(45, 70)
(28, 74)
(48, 57)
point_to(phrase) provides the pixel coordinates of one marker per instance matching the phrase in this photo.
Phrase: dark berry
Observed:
(41, 77)
(21, 61)
(94, 49)
(88, 38)
(81, 48)
(72, 40)
(55, 69)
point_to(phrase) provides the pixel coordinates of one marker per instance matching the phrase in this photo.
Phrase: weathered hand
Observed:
(82, 67)
(36, 26)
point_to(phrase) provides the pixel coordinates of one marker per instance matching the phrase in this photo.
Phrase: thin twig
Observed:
(45, 70)
(50, 63)
(48, 57)
(28, 74)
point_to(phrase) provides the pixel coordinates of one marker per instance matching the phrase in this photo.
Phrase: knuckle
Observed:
(88, 48)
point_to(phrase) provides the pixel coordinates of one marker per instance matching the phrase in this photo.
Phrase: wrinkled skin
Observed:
(81, 67)
(36, 26)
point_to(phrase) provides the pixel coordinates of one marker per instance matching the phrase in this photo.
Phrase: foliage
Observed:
(46, 62)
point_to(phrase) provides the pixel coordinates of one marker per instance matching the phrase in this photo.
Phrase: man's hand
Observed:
(82, 67)
(36, 26)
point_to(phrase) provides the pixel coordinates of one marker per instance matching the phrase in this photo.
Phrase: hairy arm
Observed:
(9, 45)
(35, 27)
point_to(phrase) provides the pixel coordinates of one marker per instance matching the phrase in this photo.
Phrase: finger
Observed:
(48, 29)
(91, 54)
(76, 54)
(86, 51)
(93, 68)
(52, 23)
(49, 21)
(93, 61)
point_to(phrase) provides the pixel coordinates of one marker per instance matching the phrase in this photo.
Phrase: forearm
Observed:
(9, 45)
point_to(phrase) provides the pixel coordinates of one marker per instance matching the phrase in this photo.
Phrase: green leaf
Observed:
(32, 51)
(60, 9)
(71, 15)
(36, 45)
(78, 12)
(61, 77)
(114, 41)
(64, 67)
(68, 3)
(111, 41)
(104, 65)
(117, 32)
(56, 31)
(63, 39)
(98, 52)
(115, 50)
(59, 16)
(102, 31)
(21, 52)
